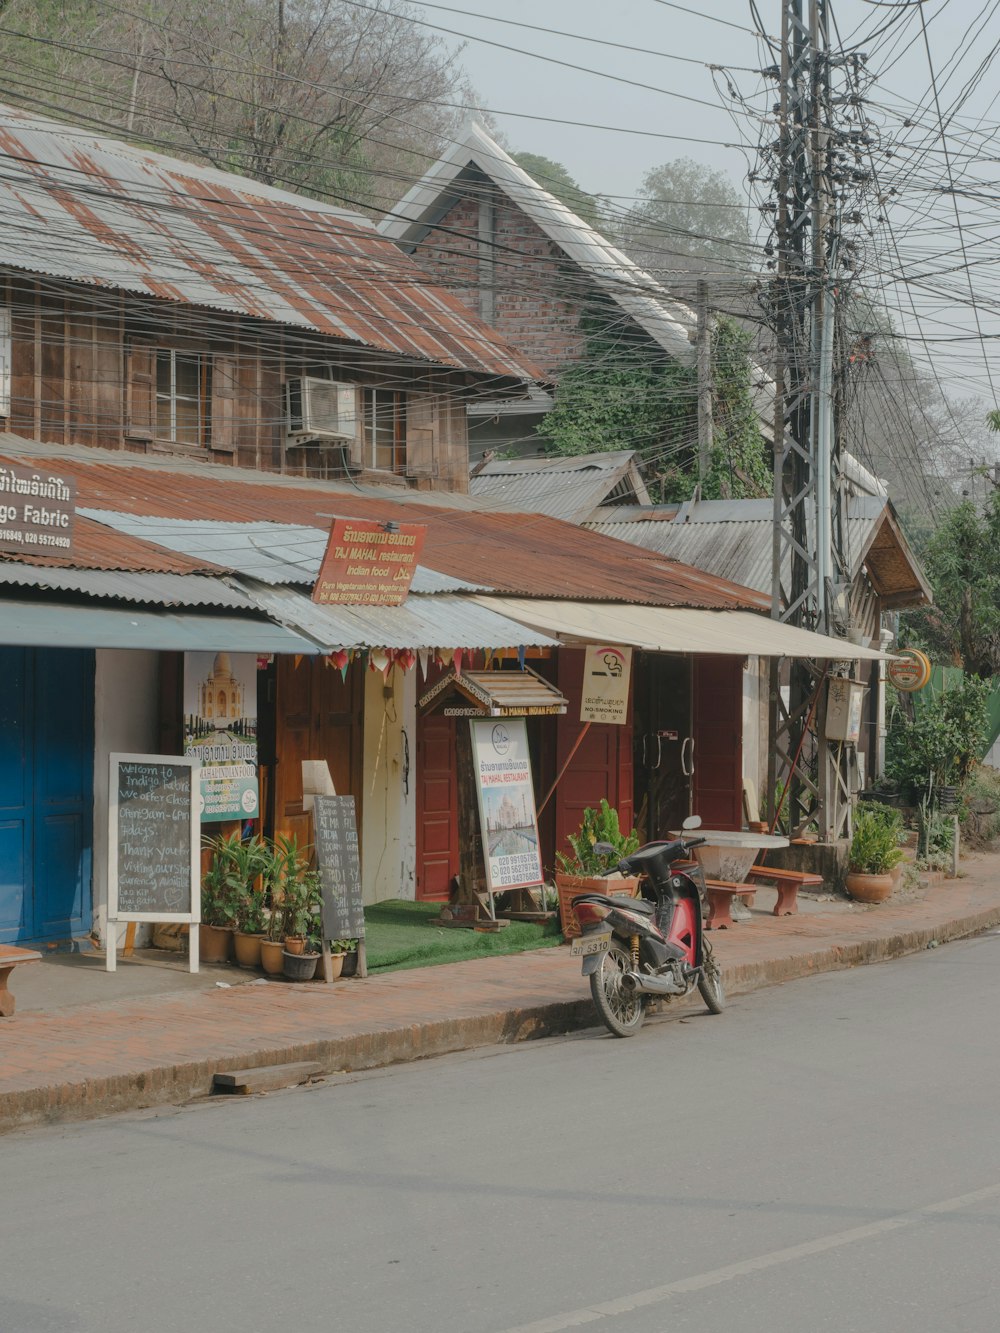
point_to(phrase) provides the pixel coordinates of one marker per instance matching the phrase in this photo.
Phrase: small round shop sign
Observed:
(911, 670)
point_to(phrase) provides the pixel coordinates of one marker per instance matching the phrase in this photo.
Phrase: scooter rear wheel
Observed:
(710, 983)
(621, 1012)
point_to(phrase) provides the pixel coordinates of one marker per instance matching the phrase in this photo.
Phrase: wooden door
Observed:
(437, 807)
(601, 766)
(662, 742)
(718, 741)
(318, 716)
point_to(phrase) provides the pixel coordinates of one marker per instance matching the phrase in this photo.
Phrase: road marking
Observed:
(716, 1276)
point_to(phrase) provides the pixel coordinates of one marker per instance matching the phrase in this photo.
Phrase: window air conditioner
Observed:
(320, 409)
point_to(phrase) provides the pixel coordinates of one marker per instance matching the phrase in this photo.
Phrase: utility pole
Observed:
(704, 385)
(809, 580)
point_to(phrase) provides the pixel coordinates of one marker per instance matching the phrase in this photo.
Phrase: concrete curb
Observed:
(172, 1085)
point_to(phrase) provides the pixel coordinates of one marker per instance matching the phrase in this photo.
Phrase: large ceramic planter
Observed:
(869, 888)
(272, 957)
(300, 966)
(350, 965)
(337, 964)
(571, 886)
(247, 949)
(214, 943)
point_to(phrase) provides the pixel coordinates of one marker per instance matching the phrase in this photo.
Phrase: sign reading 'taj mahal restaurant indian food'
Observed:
(36, 511)
(368, 564)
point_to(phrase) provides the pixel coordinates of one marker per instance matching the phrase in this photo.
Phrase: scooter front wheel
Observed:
(621, 1012)
(710, 983)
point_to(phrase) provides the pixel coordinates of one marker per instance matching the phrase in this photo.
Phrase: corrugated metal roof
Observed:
(271, 552)
(145, 589)
(51, 624)
(444, 621)
(510, 552)
(94, 210)
(566, 488)
(675, 629)
(730, 538)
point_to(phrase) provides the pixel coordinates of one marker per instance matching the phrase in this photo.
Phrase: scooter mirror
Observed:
(692, 821)
(604, 849)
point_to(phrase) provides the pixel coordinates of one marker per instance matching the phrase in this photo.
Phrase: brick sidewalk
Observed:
(90, 1060)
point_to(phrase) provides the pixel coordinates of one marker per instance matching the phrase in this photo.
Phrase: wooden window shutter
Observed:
(421, 418)
(355, 448)
(225, 386)
(140, 378)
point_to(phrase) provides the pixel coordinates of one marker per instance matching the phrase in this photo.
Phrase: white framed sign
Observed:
(154, 835)
(607, 674)
(506, 793)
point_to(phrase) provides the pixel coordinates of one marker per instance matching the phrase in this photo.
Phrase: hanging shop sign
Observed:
(37, 511)
(506, 793)
(220, 731)
(154, 836)
(607, 671)
(911, 669)
(369, 564)
(522, 693)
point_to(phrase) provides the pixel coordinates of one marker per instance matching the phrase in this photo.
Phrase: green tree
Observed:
(962, 559)
(554, 177)
(687, 217)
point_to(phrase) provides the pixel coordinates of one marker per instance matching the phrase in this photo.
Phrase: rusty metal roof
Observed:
(526, 554)
(94, 210)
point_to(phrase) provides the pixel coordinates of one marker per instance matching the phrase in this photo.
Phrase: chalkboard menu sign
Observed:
(335, 833)
(154, 836)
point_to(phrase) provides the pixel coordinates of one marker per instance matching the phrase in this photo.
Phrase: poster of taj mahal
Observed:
(220, 729)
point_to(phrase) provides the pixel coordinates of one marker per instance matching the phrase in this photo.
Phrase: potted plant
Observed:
(302, 966)
(246, 862)
(218, 906)
(874, 853)
(288, 888)
(339, 950)
(583, 871)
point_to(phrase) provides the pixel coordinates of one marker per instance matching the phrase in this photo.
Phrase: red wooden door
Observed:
(717, 724)
(437, 807)
(602, 766)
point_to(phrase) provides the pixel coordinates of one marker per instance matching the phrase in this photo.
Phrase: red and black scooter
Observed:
(635, 949)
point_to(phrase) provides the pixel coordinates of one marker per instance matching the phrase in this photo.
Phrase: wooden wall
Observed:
(83, 373)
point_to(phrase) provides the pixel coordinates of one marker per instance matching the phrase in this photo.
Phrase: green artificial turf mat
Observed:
(399, 934)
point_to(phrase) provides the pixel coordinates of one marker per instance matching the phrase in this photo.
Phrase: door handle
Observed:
(687, 756)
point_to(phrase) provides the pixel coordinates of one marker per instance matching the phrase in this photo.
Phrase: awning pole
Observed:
(569, 760)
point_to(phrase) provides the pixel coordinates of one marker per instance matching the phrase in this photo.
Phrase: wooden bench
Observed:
(788, 883)
(721, 893)
(10, 957)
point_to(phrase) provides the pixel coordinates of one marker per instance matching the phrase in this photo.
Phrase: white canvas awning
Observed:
(674, 629)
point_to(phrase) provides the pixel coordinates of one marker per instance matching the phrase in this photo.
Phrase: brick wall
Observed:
(537, 292)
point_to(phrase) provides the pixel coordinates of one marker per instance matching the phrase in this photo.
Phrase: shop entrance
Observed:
(46, 793)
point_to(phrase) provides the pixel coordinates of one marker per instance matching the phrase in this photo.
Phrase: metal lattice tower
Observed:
(810, 583)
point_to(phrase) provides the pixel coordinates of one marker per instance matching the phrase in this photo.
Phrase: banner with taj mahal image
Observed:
(506, 803)
(220, 729)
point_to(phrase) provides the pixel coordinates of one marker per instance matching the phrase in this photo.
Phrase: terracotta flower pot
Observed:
(272, 957)
(295, 944)
(247, 949)
(337, 964)
(571, 886)
(300, 966)
(869, 888)
(214, 943)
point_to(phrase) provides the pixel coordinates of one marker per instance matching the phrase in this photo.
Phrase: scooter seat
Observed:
(619, 900)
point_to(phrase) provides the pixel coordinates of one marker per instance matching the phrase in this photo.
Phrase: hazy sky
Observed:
(721, 33)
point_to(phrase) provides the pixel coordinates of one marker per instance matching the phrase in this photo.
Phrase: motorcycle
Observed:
(654, 947)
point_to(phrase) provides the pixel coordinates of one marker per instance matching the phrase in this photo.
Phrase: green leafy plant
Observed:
(343, 946)
(292, 888)
(600, 825)
(943, 740)
(875, 848)
(234, 878)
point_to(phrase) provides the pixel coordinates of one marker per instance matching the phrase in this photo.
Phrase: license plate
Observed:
(588, 944)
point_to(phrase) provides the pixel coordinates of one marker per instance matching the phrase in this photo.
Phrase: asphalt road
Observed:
(823, 1156)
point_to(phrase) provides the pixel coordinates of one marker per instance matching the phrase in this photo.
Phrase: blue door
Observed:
(46, 792)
